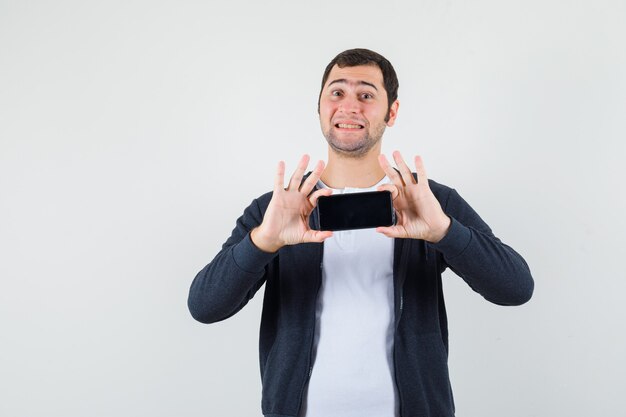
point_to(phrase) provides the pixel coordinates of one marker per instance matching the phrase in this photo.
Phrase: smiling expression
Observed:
(353, 109)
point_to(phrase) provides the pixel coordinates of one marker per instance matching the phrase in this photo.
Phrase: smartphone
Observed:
(355, 210)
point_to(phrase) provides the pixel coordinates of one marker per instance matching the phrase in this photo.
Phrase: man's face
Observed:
(353, 107)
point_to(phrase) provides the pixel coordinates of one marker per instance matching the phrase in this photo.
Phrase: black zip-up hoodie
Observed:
(293, 276)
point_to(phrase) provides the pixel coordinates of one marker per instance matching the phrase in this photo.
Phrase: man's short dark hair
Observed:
(359, 56)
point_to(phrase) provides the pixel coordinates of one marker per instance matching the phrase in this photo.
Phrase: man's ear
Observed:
(393, 113)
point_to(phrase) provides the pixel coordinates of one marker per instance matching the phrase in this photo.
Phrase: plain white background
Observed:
(133, 134)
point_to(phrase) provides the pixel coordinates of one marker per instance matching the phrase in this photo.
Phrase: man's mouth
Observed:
(348, 126)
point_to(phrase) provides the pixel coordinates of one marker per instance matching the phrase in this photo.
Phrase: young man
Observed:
(354, 322)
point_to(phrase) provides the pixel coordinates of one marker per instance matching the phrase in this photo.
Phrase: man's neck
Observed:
(342, 171)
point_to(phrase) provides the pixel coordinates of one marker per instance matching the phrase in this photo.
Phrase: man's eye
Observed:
(366, 96)
(335, 93)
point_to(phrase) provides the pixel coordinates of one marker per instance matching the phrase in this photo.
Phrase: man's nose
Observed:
(350, 105)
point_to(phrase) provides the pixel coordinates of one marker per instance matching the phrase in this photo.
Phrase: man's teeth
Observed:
(347, 126)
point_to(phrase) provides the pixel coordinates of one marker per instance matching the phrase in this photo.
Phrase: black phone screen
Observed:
(355, 210)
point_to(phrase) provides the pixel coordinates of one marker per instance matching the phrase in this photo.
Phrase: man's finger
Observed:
(296, 178)
(317, 236)
(392, 231)
(393, 175)
(391, 188)
(317, 194)
(312, 179)
(279, 179)
(422, 178)
(404, 168)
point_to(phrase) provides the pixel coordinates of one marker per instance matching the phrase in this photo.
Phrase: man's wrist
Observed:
(441, 231)
(261, 242)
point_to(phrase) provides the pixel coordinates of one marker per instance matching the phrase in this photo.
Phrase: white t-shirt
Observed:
(352, 372)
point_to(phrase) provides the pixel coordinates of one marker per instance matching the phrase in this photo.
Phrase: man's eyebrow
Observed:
(343, 80)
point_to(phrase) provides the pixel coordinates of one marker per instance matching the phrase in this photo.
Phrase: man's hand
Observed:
(286, 221)
(419, 214)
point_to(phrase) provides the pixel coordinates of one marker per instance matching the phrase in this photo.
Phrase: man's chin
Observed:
(351, 150)
(350, 145)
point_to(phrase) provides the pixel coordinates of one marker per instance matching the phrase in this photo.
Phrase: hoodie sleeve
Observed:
(472, 251)
(230, 280)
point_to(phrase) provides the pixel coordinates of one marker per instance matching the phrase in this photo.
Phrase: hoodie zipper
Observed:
(395, 368)
(401, 270)
(310, 364)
